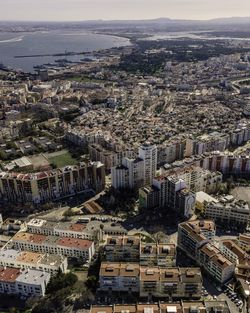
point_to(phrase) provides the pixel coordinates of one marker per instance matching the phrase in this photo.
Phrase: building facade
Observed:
(51, 185)
(25, 283)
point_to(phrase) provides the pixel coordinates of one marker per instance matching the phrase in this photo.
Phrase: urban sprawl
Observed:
(125, 180)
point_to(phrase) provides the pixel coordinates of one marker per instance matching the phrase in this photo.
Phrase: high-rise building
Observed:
(168, 192)
(148, 153)
(138, 172)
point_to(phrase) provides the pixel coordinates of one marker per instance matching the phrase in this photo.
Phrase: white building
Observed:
(148, 153)
(70, 247)
(62, 229)
(138, 172)
(32, 283)
(228, 210)
(23, 282)
(50, 263)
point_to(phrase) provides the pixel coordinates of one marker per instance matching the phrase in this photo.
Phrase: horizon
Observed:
(127, 20)
(120, 10)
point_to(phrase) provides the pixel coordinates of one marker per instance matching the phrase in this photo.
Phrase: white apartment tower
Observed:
(148, 153)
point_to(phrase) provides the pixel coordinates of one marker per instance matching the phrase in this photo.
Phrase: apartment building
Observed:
(206, 143)
(151, 282)
(170, 192)
(194, 239)
(244, 241)
(49, 263)
(110, 152)
(70, 247)
(233, 252)
(24, 283)
(196, 178)
(83, 137)
(241, 134)
(170, 152)
(122, 248)
(228, 210)
(213, 261)
(120, 177)
(165, 307)
(107, 157)
(148, 153)
(119, 277)
(63, 229)
(157, 254)
(134, 173)
(227, 164)
(205, 227)
(133, 249)
(51, 185)
(190, 239)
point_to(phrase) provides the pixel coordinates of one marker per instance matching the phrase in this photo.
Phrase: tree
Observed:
(61, 281)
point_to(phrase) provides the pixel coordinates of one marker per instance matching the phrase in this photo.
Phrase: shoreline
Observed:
(17, 67)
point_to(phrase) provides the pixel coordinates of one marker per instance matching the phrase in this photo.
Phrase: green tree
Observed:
(61, 281)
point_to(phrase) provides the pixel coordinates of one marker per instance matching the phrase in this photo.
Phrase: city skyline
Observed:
(77, 10)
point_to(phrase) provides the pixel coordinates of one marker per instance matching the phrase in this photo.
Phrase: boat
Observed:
(39, 67)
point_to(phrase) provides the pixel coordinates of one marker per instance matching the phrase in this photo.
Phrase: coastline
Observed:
(77, 48)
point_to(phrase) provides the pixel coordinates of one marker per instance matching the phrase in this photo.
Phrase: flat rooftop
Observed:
(9, 274)
(33, 277)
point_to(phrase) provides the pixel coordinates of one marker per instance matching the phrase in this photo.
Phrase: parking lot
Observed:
(210, 292)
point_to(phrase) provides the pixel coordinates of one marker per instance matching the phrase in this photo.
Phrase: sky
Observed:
(77, 10)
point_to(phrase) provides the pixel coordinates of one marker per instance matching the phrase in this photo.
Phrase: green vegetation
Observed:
(62, 160)
(85, 79)
(93, 274)
(176, 50)
(119, 202)
(61, 281)
(59, 290)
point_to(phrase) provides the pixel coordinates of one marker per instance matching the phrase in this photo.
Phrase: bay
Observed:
(51, 42)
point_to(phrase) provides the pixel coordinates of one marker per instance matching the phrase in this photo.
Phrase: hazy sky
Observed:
(60, 10)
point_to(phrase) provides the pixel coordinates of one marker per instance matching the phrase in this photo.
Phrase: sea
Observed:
(51, 42)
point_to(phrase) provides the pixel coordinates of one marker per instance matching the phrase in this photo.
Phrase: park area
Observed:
(61, 159)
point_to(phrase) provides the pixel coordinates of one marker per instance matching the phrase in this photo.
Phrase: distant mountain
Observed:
(231, 20)
(170, 20)
(161, 22)
(166, 21)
